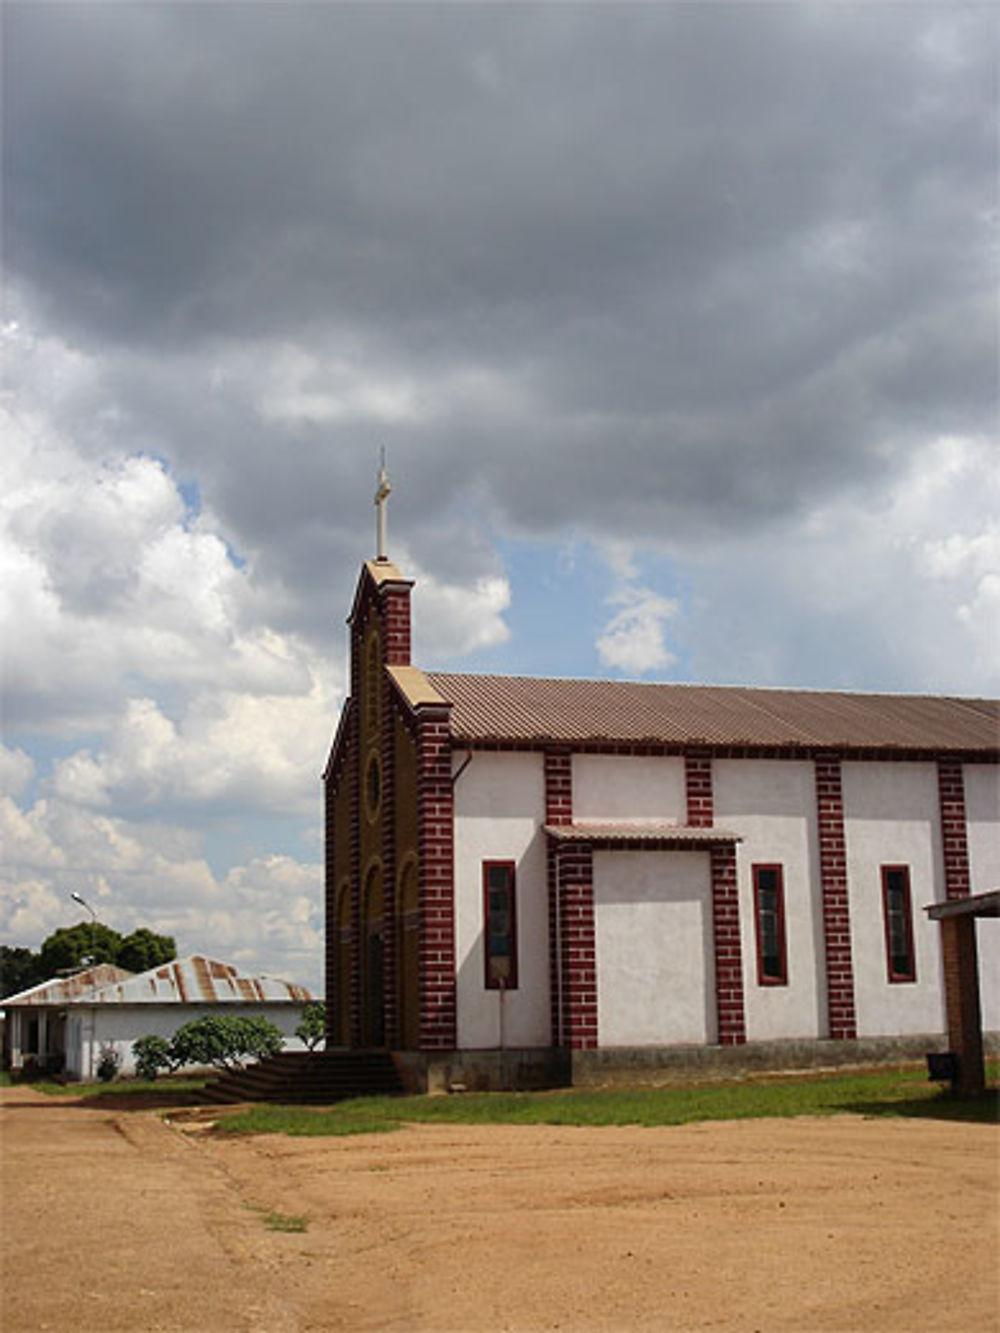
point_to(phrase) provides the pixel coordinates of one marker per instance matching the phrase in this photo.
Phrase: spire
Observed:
(381, 496)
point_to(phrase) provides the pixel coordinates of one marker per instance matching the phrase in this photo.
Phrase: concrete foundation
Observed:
(631, 1066)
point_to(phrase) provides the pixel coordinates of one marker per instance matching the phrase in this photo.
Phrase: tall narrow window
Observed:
(500, 921)
(769, 915)
(898, 914)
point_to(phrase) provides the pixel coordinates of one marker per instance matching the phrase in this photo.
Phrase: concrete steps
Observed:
(308, 1078)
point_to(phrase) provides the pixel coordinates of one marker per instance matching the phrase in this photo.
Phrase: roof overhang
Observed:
(977, 904)
(654, 836)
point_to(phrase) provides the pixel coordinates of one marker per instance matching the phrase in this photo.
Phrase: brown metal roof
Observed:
(525, 710)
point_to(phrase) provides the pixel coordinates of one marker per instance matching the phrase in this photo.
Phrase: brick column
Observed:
(390, 937)
(951, 796)
(436, 844)
(698, 784)
(578, 942)
(331, 936)
(728, 951)
(395, 611)
(841, 1017)
(558, 810)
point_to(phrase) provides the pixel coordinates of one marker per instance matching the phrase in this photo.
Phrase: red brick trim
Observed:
(330, 907)
(390, 990)
(395, 610)
(858, 754)
(435, 842)
(954, 835)
(577, 945)
(558, 787)
(728, 952)
(698, 785)
(558, 810)
(353, 775)
(841, 1014)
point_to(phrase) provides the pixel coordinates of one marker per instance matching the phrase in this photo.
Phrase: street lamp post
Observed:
(93, 926)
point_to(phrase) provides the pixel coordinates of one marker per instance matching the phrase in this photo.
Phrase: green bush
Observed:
(312, 1029)
(151, 1055)
(226, 1041)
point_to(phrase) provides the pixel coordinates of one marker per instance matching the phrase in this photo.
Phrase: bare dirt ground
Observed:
(114, 1220)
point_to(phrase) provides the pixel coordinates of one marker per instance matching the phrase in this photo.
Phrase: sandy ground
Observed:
(115, 1220)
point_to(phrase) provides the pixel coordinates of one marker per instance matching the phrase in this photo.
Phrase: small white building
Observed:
(67, 1022)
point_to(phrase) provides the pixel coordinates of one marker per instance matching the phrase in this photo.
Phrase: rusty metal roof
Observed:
(192, 980)
(198, 980)
(638, 831)
(64, 990)
(525, 710)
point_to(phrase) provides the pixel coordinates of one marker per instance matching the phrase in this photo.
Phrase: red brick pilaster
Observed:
(728, 951)
(390, 936)
(352, 776)
(395, 610)
(841, 1016)
(436, 844)
(330, 907)
(558, 810)
(954, 841)
(577, 945)
(698, 782)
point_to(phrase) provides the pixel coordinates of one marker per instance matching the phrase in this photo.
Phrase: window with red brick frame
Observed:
(500, 925)
(769, 920)
(897, 915)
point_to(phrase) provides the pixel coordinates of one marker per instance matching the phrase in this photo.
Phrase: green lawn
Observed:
(882, 1092)
(126, 1087)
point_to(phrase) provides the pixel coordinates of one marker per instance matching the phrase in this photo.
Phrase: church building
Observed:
(531, 880)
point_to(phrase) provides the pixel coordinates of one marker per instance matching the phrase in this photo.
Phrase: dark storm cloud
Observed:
(717, 261)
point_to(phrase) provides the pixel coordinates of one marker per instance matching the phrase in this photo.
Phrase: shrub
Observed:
(312, 1029)
(108, 1064)
(226, 1041)
(151, 1055)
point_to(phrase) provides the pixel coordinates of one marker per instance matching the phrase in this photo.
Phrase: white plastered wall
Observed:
(771, 804)
(89, 1028)
(655, 962)
(499, 813)
(638, 787)
(982, 813)
(892, 817)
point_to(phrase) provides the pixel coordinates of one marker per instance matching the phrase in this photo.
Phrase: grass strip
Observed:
(879, 1093)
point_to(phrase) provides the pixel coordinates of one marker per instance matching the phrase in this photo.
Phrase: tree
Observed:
(312, 1029)
(67, 947)
(19, 969)
(144, 949)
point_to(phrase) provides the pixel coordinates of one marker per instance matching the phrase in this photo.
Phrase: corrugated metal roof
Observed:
(650, 831)
(64, 990)
(192, 980)
(526, 710)
(198, 980)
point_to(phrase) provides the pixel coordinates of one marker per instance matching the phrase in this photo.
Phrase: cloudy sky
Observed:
(677, 322)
